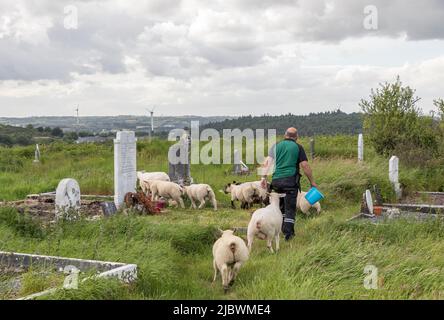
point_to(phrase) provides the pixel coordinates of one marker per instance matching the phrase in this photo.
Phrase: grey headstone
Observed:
(125, 154)
(237, 168)
(108, 208)
(67, 201)
(180, 172)
(312, 148)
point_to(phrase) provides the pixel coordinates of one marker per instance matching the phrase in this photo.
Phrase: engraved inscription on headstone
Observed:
(125, 177)
(67, 201)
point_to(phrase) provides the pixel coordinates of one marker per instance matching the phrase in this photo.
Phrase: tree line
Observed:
(323, 123)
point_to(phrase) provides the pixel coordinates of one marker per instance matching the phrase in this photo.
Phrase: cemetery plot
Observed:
(29, 276)
(42, 207)
(17, 282)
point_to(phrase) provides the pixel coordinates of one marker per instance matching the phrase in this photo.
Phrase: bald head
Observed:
(291, 133)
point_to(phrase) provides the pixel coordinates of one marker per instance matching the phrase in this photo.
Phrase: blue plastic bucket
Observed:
(314, 195)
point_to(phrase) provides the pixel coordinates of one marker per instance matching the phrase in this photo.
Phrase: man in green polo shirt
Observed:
(287, 156)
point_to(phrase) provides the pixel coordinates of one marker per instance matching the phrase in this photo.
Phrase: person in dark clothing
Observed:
(288, 157)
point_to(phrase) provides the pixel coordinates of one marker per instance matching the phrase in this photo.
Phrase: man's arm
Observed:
(307, 170)
(265, 170)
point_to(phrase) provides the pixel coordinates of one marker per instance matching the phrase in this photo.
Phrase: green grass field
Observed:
(326, 260)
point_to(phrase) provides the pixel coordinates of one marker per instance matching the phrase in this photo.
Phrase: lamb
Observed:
(146, 176)
(200, 192)
(242, 192)
(229, 254)
(260, 195)
(266, 223)
(304, 205)
(166, 189)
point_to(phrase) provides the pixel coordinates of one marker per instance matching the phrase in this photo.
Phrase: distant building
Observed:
(94, 139)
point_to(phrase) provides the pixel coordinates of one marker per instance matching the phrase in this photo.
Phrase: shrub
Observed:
(393, 122)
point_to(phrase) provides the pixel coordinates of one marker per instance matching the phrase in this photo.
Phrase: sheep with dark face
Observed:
(243, 192)
(247, 193)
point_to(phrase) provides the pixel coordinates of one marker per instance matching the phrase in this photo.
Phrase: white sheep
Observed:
(304, 205)
(147, 176)
(266, 223)
(166, 189)
(229, 254)
(242, 192)
(200, 192)
(261, 194)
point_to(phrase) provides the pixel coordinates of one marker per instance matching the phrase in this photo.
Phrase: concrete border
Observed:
(125, 272)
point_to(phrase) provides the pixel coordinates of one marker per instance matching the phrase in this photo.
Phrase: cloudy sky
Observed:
(218, 57)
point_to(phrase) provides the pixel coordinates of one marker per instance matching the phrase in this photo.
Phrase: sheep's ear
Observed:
(281, 195)
(220, 231)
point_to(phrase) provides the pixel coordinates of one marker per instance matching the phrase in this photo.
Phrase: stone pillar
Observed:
(369, 201)
(125, 165)
(361, 147)
(312, 149)
(237, 168)
(37, 154)
(180, 170)
(394, 176)
(67, 201)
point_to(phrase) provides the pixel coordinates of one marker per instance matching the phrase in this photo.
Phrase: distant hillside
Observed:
(10, 135)
(110, 124)
(325, 123)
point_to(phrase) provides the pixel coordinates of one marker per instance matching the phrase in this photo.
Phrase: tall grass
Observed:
(173, 251)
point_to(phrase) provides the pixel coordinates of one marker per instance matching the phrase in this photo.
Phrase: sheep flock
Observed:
(230, 252)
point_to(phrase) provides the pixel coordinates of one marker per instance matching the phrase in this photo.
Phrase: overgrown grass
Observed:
(326, 260)
(173, 251)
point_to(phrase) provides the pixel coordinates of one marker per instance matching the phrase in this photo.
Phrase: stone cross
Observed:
(360, 147)
(125, 154)
(67, 201)
(394, 175)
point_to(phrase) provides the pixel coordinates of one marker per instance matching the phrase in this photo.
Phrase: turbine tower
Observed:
(78, 120)
(151, 132)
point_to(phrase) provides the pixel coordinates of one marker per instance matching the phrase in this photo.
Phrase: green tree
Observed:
(439, 103)
(392, 119)
(57, 132)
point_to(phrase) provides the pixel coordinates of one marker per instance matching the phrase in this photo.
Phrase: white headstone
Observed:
(361, 147)
(37, 153)
(67, 201)
(125, 177)
(394, 176)
(369, 201)
(394, 169)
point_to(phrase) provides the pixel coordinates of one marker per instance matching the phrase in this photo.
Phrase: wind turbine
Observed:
(78, 120)
(152, 120)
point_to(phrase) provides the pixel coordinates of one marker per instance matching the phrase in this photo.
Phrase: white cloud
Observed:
(219, 57)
